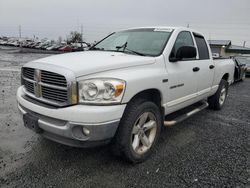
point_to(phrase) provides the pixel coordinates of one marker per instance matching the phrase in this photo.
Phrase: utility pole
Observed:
(20, 35)
(244, 44)
(20, 31)
(81, 36)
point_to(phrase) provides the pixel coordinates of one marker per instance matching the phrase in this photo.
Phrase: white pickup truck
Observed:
(120, 91)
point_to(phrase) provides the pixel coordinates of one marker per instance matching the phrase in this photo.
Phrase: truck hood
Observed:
(89, 62)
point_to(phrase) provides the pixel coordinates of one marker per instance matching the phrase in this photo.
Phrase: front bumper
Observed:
(65, 125)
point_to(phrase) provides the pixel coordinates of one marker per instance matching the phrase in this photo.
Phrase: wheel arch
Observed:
(154, 95)
(225, 77)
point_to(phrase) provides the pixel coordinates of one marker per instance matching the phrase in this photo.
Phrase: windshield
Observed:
(148, 42)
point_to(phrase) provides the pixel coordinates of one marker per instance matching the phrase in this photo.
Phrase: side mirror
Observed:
(184, 52)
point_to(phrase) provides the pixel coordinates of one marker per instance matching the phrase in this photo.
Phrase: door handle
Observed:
(196, 69)
(211, 66)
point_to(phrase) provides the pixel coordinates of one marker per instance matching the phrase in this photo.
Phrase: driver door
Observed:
(182, 75)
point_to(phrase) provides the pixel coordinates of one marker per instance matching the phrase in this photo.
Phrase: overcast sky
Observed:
(217, 19)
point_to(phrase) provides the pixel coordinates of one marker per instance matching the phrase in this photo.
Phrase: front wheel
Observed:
(138, 131)
(217, 101)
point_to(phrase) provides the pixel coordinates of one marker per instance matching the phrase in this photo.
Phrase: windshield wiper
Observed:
(134, 52)
(95, 48)
(124, 46)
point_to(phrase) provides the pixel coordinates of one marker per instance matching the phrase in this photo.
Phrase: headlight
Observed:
(101, 91)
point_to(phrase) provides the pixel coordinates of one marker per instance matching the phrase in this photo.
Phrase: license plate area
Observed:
(31, 122)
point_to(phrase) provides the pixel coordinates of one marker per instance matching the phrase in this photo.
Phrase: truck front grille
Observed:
(53, 78)
(54, 94)
(29, 86)
(46, 86)
(28, 73)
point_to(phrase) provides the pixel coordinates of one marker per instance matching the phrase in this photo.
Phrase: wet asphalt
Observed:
(210, 149)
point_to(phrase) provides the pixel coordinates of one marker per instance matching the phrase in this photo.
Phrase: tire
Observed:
(133, 141)
(217, 101)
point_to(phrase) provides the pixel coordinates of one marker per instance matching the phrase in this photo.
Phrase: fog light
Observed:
(85, 131)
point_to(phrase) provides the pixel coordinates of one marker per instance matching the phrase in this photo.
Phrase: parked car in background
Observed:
(66, 48)
(13, 43)
(3, 42)
(240, 68)
(58, 46)
(35, 44)
(248, 67)
(30, 44)
(80, 47)
(44, 44)
(51, 47)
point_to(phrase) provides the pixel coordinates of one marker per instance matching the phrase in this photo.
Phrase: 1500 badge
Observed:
(175, 86)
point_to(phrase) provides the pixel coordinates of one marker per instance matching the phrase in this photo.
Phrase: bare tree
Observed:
(74, 37)
(59, 40)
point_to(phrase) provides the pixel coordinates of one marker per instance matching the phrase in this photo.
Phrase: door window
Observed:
(184, 38)
(202, 46)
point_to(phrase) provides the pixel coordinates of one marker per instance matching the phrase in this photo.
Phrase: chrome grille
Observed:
(28, 73)
(52, 94)
(29, 86)
(53, 78)
(46, 86)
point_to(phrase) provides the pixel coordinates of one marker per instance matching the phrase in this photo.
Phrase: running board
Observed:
(184, 116)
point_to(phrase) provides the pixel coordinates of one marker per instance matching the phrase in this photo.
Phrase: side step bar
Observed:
(178, 119)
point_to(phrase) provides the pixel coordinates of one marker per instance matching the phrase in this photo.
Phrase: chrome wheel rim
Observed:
(223, 94)
(143, 133)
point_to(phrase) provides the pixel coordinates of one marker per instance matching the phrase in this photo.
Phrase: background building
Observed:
(224, 48)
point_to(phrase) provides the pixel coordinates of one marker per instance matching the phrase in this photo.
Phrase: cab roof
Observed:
(166, 28)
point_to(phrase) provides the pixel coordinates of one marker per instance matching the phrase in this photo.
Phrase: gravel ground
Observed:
(211, 149)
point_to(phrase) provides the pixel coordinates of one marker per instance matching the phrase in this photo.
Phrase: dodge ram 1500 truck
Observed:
(121, 89)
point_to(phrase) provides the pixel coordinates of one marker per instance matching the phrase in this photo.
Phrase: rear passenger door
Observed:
(205, 64)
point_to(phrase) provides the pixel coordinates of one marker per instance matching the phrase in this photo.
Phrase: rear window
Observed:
(202, 46)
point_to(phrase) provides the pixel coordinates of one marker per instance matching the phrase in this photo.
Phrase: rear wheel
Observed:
(138, 131)
(217, 101)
